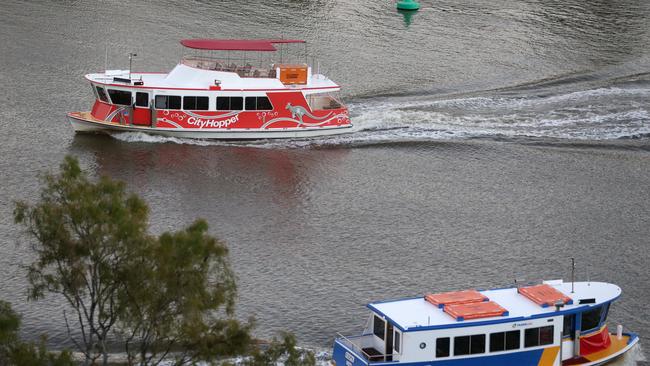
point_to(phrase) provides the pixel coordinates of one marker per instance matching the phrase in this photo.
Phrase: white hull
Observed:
(85, 126)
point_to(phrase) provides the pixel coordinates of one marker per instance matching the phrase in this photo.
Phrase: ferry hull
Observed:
(83, 122)
(345, 356)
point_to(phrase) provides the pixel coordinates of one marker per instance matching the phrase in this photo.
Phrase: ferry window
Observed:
(141, 99)
(567, 329)
(513, 340)
(378, 326)
(605, 312)
(497, 342)
(591, 319)
(251, 103)
(545, 335)
(396, 341)
(223, 103)
(102, 94)
(264, 104)
(534, 337)
(461, 346)
(531, 337)
(230, 103)
(174, 102)
(195, 103)
(442, 347)
(258, 104)
(168, 102)
(237, 103)
(477, 344)
(120, 96)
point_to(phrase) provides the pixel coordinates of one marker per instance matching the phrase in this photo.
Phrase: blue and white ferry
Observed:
(555, 323)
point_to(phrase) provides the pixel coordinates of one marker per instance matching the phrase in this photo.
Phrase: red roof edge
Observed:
(236, 44)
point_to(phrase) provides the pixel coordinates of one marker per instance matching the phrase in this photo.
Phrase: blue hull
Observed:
(343, 356)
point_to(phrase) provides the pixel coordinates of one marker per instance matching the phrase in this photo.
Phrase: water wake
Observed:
(597, 114)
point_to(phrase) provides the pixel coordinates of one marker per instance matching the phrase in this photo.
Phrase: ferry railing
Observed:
(359, 349)
(243, 67)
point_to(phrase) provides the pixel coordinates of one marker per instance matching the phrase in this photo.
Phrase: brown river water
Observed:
(494, 140)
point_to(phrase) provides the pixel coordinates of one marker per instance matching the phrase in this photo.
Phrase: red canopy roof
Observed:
(236, 44)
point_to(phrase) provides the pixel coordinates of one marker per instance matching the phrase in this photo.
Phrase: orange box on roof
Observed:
(475, 310)
(544, 295)
(456, 297)
(293, 74)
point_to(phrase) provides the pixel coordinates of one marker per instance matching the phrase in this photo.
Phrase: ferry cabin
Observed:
(545, 325)
(222, 97)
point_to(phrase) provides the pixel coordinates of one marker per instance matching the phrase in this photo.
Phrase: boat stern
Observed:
(345, 355)
(85, 122)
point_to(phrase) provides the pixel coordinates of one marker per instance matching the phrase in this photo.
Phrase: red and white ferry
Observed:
(232, 95)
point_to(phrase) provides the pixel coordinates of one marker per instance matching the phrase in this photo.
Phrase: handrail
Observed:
(360, 350)
(228, 65)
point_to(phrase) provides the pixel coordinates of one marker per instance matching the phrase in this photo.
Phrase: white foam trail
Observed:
(598, 114)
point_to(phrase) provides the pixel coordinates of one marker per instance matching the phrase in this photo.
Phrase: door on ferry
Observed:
(141, 110)
(389, 342)
(569, 336)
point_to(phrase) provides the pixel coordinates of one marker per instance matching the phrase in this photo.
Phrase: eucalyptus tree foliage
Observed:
(84, 233)
(175, 292)
(14, 352)
(162, 298)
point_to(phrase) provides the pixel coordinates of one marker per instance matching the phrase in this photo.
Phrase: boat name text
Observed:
(200, 122)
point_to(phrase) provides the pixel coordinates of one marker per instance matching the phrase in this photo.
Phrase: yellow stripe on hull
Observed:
(549, 356)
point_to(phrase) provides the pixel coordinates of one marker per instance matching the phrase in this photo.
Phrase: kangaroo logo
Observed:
(299, 111)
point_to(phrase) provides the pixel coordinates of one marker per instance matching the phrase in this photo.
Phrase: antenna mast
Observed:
(573, 270)
(131, 56)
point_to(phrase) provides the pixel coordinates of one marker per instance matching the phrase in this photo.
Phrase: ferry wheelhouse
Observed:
(239, 93)
(554, 323)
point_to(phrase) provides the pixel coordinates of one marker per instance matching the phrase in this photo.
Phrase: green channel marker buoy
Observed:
(408, 16)
(408, 5)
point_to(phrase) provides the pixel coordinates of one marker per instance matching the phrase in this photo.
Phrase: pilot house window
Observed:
(101, 93)
(120, 96)
(591, 319)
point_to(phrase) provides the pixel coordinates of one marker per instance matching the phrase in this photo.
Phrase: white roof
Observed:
(186, 77)
(416, 312)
